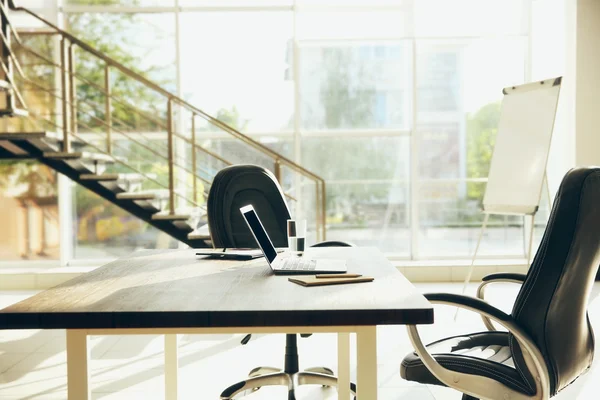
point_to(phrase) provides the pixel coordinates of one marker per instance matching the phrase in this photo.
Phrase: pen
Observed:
(338, 276)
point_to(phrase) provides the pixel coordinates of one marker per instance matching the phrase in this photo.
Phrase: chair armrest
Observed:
(480, 386)
(500, 277)
(333, 243)
(505, 276)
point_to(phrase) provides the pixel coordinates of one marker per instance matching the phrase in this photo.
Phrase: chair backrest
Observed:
(552, 303)
(236, 186)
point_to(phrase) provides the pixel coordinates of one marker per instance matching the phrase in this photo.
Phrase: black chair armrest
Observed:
(499, 277)
(467, 302)
(333, 243)
(505, 276)
(475, 385)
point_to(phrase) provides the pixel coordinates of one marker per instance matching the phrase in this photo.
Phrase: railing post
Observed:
(323, 211)
(65, 93)
(171, 156)
(194, 180)
(107, 109)
(318, 214)
(6, 60)
(72, 93)
(277, 170)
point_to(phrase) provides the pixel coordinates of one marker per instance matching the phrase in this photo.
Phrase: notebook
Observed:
(231, 254)
(314, 280)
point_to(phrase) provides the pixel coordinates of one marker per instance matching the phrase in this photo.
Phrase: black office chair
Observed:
(232, 188)
(549, 342)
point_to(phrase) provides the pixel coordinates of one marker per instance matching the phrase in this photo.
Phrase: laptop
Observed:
(287, 265)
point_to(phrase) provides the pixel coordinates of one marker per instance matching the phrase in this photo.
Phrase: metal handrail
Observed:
(68, 41)
(58, 97)
(171, 96)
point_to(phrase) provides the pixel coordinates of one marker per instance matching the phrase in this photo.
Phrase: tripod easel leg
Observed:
(472, 267)
(548, 191)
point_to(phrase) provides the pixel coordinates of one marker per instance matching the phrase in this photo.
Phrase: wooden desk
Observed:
(174, 292)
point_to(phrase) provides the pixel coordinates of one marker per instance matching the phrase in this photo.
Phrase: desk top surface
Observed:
(175, 288)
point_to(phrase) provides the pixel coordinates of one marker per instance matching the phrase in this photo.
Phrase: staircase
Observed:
(159, 167)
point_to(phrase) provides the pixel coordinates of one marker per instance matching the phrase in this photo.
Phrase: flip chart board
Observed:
(522, 145)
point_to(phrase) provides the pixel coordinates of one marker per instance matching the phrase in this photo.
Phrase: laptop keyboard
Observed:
(298, 264)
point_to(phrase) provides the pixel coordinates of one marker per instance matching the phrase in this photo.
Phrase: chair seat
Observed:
(485, 353)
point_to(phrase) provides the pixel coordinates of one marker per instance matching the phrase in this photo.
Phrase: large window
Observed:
(394, 102)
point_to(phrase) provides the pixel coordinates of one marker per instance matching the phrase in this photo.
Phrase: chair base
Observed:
(267, 376)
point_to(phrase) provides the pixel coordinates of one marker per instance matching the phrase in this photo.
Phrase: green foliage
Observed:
(348, 97)
(355, 159)
(232, 118)
(482, 128)
(346, 106)
(111, 34)
(34, 179)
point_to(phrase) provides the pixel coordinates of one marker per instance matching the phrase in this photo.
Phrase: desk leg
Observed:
(171, 365)
(343, 366)
(78, 357)
(366, 377)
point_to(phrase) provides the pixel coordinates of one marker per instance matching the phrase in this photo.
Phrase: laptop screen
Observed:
(259, 232)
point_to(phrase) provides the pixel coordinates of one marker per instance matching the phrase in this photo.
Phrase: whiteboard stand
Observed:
(518, 166)
(482, 231)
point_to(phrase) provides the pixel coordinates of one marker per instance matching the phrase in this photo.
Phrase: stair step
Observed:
(80, 155)
(99, 177)
(136, 196)
(58, 137)
(5, 85)
(49, 136)
(199, 236)
(113, 177)
(201, 233)
(160, 194)
(14, 112)
(170, 217)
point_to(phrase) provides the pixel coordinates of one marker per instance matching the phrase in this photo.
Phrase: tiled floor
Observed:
(32, 363)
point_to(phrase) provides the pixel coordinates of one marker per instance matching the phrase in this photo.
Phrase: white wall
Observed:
(566, 42)
(587, 96)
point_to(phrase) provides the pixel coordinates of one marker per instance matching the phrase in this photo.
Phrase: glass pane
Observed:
(39, 89)
(355, 3)
(44, 8)
(143, 42)
(236, 152)
(361, 24)
(28, 211)
(450, 224)
(33, 4)
(242, 76)
(122, 3)
(548, 39)
(469, 18)
(103, 230)
(235, 3)
(459, 89)
(367, 188)
(355, 85)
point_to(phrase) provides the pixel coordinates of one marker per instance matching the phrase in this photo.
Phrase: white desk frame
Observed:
(78, 355)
